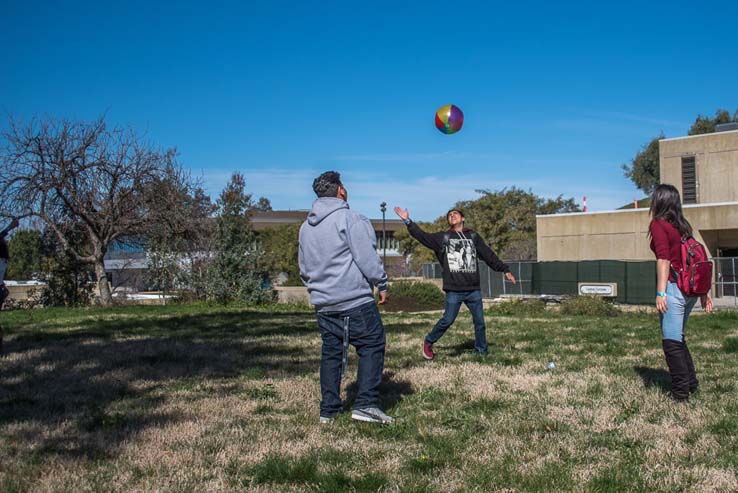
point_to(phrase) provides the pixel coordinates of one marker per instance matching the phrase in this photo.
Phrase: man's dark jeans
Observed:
(366, 333)
(454, 299)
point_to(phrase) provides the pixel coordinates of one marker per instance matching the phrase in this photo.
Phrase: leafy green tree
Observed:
(235, 272)
(280, 247)
(706, 125)
(644, 169)
(506, 219)
(26, 254)
(412, 249)
(165, 271)
(263, 205)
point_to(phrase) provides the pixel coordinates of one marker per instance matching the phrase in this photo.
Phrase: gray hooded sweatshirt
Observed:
(338, 258)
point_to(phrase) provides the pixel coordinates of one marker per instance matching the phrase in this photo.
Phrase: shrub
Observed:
(408, 296)
(518, 307)
(589, 305)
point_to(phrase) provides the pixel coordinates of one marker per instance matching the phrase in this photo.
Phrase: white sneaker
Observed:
(326, 420)
(371, 415)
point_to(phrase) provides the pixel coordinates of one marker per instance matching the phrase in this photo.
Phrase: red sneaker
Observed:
(428, 350)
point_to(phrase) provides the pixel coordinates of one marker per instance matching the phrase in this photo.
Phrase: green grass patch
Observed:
(730, 345)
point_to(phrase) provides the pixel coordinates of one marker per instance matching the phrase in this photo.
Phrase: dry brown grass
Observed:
(204, 411)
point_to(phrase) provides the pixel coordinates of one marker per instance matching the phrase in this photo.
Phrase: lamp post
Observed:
(383, 208)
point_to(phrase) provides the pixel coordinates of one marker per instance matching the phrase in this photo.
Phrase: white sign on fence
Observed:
(607, 289)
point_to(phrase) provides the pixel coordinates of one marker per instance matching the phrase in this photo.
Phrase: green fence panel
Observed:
(615, 271)
(555, 278)
(641, 282)
(588, 271)
(636, 280)
(524, 276)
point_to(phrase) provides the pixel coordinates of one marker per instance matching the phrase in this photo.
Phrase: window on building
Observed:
(689, 180)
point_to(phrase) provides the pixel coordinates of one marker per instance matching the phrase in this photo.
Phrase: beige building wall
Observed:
(716, 164)
(623, 234)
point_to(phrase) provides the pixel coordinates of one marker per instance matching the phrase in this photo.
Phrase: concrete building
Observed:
(704, 168)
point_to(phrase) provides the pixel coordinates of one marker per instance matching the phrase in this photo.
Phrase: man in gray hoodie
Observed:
(340, 266)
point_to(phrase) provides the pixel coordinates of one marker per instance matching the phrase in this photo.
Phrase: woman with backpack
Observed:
(683, 274)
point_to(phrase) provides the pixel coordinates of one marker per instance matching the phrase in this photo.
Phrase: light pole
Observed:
(383, 208)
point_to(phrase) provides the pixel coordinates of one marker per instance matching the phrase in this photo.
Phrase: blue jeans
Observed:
(454, 299)
(674, 321)
(362, 328)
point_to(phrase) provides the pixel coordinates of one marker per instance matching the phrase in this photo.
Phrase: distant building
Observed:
(704, 168)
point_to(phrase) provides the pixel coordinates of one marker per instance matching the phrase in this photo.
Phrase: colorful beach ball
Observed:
(449, 119)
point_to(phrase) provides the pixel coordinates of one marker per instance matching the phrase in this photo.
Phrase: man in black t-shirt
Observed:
(457, 250)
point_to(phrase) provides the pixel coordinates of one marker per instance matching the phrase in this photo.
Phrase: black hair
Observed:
(666, 205)
(452, 210)
(326, 185)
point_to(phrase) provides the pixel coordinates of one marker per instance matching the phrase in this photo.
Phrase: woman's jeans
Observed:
(674, 321)
(362, 328)
(454, 299)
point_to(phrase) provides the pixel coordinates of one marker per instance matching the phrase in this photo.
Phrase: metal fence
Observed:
(636, 280)
(726, 280)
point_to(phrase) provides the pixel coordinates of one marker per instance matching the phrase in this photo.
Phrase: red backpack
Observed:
(694, 275)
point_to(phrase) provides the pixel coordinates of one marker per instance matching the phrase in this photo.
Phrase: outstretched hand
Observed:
(402, 213)
(510, 277)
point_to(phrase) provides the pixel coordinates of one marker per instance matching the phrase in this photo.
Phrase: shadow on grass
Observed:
(391, 391)
(654, 377)
(215, 325)
(85, 390)
(461, 348)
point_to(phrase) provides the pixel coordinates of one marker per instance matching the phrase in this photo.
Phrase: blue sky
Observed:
(556, 97)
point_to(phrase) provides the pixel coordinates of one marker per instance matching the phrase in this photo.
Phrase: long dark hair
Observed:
(667, 205)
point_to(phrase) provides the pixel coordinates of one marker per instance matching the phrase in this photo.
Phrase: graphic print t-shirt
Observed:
(461, 255)
(457, 253)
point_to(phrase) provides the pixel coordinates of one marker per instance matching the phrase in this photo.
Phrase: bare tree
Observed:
(64, 171)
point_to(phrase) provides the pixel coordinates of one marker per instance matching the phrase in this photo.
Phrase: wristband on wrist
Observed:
(660, 293)
(407, 221)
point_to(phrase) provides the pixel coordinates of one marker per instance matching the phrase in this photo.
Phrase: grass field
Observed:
(203, 398)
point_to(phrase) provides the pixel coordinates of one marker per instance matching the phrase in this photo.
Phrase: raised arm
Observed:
(426, 239)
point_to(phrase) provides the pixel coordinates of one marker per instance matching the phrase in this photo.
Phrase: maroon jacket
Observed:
(666, 242)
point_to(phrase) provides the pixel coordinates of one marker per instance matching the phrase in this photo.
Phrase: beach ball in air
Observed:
(449, 119)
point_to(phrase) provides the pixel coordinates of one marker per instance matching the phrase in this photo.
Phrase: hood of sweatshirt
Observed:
(338, 258)
(324, 207)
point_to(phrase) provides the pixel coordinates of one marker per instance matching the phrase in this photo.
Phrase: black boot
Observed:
(676, 360)
(694, 384)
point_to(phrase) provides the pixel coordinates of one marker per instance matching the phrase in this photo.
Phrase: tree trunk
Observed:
(103, 286)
